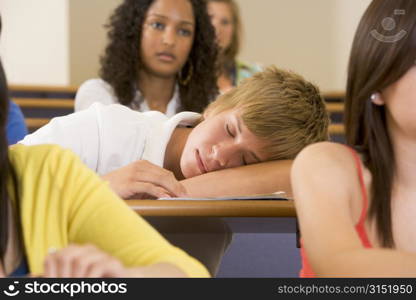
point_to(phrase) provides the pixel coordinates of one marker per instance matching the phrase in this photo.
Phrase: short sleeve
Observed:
(92, 91)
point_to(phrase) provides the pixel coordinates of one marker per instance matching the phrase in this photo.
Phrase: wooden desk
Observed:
(43, 88)
(44, 103)
(233, 208)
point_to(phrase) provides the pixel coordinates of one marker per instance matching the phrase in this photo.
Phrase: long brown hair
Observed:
(378, 59)
(229, 55)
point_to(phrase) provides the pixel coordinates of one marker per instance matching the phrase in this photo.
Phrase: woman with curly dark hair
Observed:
(161, 56)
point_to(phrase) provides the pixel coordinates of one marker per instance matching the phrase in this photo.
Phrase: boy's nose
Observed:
(226, 155)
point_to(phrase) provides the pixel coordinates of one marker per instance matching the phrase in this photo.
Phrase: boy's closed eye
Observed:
(244, 158)
(229, 132)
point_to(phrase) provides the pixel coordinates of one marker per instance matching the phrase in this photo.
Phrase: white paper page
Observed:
(273, 196)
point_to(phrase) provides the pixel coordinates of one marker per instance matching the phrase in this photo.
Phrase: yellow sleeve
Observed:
(87, 211)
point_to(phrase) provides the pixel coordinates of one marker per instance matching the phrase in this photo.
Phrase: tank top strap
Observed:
(363, 215)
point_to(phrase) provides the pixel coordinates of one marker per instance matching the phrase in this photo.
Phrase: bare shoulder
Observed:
(326, 170)
(325, 155)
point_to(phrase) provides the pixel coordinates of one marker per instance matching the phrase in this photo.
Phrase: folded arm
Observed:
(261, 178)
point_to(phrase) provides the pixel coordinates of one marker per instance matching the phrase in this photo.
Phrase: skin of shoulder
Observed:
(321, 170)
(322, 158)
(325, 182)
(323, 164)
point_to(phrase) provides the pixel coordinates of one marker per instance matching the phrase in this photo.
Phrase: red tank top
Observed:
(306, 270)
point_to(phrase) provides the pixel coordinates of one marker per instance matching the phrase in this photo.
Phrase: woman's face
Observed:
(222, 19)
(167, 38)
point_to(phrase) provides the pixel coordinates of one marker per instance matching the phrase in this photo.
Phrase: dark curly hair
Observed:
(121, 62)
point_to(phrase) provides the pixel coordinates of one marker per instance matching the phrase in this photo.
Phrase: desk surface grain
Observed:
(213, 208)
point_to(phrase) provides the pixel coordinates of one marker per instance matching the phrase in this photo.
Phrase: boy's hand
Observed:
(142, 179)
(82, 261)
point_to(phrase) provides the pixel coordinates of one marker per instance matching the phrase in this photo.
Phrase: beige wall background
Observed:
(311, 37)
(87, 36)
(34, 44)
(59, 42)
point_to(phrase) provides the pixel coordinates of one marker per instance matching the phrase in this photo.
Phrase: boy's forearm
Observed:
(259, 178)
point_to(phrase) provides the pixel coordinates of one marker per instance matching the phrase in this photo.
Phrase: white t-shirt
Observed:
(98, 90)
(108, 137)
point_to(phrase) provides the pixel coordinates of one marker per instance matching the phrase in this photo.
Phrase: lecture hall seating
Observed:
(41, 103)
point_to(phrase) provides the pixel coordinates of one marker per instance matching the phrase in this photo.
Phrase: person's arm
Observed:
(97, 216)
(87, 261)
(143, 180)
(77, 131)
(261, 178)
(16, 126)
(325, 184)
(91, 91)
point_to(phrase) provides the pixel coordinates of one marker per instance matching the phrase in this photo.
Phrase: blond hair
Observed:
(279, 107)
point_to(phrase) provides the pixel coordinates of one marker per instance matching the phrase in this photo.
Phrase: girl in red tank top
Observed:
(359, 227)
(336, 194)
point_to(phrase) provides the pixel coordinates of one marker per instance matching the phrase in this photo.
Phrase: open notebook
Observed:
(273, 196)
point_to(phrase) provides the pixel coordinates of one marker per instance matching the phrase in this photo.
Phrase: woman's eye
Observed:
(229, 131)
(185, 32)
(157, 25)
(225, 22)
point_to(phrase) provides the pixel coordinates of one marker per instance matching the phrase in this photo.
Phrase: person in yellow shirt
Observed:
(55, 215)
